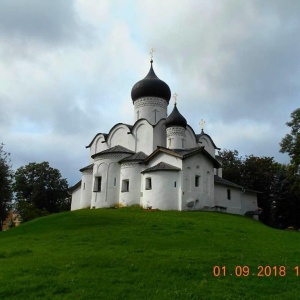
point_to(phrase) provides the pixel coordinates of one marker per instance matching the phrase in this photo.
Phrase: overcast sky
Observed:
(67, 68)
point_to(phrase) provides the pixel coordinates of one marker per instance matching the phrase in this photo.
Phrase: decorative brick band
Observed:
(112, 156)
(175, 131)
(129, 165)
(150, 102)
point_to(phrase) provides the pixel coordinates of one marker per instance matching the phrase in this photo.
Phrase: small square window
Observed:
(148, 183)
(197, 181)
(125, 185)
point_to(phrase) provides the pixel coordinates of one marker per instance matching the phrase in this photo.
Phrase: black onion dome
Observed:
(175, 119)
(151, 86)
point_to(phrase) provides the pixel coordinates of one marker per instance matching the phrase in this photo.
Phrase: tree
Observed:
(40, 190)
(271, 179)
(287, 198)
(262, 174)
(6, 177)
(231, 164)
(291, 142)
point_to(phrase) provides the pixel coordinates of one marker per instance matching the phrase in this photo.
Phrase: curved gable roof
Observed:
(198, 136)
(105, 135)
(193, 132)
(130, 129)
(143, 119)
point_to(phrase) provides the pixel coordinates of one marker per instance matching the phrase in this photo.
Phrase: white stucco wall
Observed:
(76, 196)
(190, 140)
(249, 201)
(234, 204)
(99, 144)
(163, 157)
(108, 168)
(130, 171)
(207, 143)
(240, 201)
(202, 196)
(159, 135)
(119, 136)
(143, 135)
(86, 189)
(163, 194)
(219, 171)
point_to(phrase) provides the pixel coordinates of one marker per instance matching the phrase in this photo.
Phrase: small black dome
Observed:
(175, 119)
(151, 85)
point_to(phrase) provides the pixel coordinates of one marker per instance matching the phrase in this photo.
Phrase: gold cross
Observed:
(151, 53)
(175, 98)
(202, 122)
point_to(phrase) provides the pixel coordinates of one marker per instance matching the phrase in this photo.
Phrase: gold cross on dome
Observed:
(202, 123)
(175, 98)
(151, 53)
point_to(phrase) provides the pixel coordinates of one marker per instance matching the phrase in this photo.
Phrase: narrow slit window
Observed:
(228, 194)
(175, 183)
(197, 181)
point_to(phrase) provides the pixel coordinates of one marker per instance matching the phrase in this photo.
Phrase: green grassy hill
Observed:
(131, 253)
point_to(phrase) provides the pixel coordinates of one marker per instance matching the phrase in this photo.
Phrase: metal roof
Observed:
(162, 166)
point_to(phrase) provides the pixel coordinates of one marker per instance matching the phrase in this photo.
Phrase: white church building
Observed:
(158, 162)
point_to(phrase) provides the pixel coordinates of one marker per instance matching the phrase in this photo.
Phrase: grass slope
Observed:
(130, 253)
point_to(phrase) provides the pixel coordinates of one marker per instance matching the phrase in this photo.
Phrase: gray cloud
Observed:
(67, 69)
(245, 53)
(50, 21)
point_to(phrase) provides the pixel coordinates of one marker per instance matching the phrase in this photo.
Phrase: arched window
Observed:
(97, 184)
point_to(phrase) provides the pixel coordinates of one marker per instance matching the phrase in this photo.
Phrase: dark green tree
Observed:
(287, 198)
(40, 190)
(6, 177)
(263, 175)
(231, 164)
(272, 180)
(291, 142)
